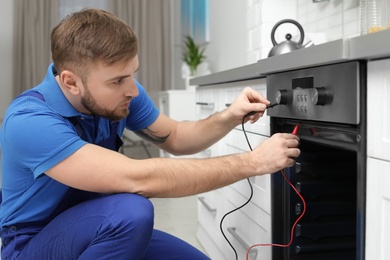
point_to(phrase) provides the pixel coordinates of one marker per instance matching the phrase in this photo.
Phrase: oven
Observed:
(328, 102)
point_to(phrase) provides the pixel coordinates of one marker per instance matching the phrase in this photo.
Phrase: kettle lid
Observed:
(288, 45)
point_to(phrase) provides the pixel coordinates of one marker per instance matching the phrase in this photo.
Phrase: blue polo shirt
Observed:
(36, 135)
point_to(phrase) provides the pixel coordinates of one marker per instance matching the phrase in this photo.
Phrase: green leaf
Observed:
(193, 55)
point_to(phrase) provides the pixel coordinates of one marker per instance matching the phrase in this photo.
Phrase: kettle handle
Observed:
(287, 21)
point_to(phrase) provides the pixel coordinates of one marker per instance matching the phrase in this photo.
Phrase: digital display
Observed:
(303, 83)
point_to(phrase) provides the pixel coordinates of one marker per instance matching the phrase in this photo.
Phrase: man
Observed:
(67, 194)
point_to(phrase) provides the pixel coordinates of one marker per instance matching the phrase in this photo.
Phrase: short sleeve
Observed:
(38, 138)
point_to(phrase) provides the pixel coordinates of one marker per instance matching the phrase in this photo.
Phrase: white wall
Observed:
(322, 22)
(228, 34)
(335, 19)
(262, 16)
(6, 50)
(240, 30)
(227, 47)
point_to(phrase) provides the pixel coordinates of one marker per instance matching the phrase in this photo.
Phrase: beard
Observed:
(95, 109)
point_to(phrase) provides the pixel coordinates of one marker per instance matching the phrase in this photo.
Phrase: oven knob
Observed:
(319, 96)
(282, 96)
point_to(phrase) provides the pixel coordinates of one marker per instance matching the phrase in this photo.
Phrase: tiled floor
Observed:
(176, 216)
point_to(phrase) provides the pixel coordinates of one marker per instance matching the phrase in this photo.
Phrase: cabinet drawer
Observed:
(210, 212)
(236, 143)
(245, 227)
(248, 226)
(378, 109)
(207, 102)
(261, 193)
(212, 206)
(208, 243)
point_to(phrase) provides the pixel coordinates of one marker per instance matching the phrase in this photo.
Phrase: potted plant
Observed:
(193, 54)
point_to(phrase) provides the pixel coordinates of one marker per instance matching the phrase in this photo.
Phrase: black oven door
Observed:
(329, 174)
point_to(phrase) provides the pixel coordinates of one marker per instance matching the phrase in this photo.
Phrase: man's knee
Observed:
(133, 211)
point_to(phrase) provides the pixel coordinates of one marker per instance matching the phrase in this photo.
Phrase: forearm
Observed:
(181, 138)
(195, 136)
(97, 169)
(165, 177)
(94, 168)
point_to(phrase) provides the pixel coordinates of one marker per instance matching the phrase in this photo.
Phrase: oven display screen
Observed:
(303, 83)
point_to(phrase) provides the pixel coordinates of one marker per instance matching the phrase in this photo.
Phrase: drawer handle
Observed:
(204, 104)
(239, 239)
(207, 206)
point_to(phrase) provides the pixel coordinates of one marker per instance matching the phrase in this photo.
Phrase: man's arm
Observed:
(97, 169)
(190, 137)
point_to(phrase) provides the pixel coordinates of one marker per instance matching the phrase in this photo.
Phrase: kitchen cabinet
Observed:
(207, 103)
(378, 162)
(178, 105)
(251, 224)
(378, 120)
(378, 209)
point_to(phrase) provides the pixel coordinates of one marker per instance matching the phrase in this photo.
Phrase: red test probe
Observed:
(296, 128)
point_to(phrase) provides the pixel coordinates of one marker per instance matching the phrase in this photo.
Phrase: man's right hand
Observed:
(276, 153)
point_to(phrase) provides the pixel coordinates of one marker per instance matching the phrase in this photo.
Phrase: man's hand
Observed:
(249, 100)
(276, 153)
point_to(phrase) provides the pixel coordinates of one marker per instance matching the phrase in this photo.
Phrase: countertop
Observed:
(367, 47)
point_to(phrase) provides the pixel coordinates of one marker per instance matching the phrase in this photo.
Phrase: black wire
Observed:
(249, 199)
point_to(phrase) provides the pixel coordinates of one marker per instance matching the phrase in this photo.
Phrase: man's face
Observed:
(108, 90)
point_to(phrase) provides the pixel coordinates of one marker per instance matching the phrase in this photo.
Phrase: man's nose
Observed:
(132, 90)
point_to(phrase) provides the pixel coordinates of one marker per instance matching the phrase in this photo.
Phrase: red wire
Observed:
(293, 227)
(294, 132)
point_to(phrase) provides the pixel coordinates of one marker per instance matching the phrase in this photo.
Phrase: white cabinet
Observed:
(378, 106)
(251, 224)
(236, 143)
(378, 209)
(378, 162)
(178, 105)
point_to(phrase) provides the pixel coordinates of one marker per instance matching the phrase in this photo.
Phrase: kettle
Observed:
(286, 46)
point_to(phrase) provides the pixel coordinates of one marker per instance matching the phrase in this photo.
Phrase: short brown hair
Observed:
(91, 35)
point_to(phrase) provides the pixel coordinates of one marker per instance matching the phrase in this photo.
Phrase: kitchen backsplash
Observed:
(322, 22)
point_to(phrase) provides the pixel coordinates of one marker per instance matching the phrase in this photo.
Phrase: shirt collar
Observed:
(54, 97)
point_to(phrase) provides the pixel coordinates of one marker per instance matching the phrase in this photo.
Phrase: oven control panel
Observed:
(328, 93)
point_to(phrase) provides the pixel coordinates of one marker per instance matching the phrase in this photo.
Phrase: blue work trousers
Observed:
(112, 227)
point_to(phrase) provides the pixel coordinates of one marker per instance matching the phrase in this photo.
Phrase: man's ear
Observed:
(71, 82)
